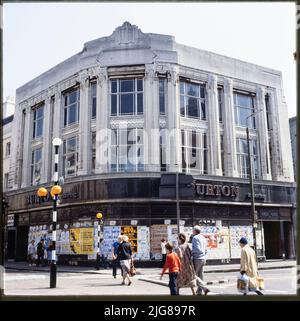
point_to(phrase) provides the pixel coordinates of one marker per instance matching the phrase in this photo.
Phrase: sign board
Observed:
(10, 220)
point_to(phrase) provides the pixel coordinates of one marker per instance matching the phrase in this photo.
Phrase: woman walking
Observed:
(125, 257)
(187, 277)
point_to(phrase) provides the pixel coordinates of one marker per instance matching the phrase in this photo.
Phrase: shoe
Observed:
(123, 283)
(129, 283)
(115, 276)
(206, 291)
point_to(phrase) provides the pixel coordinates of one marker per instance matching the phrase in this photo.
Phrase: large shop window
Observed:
(93, 99)
(71, 107)
(192, 100)
(244, 107)
(36, 166)
(194, 152)
(70, 157)
(127, 97)
(162, 95)
(242, 157)
(38, 122)
(127, 150)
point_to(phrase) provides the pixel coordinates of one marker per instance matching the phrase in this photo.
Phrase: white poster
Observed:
(236, 232)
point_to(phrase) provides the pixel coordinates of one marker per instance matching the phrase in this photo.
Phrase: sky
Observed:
(38, 36)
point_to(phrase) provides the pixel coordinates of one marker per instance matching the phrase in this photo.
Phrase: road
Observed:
(278, 281)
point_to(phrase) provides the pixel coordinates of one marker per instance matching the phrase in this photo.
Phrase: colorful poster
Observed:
(131, 232)
(82, 240)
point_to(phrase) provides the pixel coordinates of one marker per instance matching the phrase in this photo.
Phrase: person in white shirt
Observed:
(163, 250)
(31, 253)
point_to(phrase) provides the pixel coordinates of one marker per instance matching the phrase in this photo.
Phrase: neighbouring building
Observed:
(130, 108)
(293, 133)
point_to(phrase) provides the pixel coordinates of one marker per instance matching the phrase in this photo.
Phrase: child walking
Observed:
(173, 263)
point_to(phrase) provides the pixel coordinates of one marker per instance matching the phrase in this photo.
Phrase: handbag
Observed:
(242, 283)
(132, 271)
(260, 282)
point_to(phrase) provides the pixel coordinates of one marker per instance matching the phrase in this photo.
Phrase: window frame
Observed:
(34, 164)
(237, 109)
(93, 98)
(37, 120)
(66, 154)
(163, 93)
(66, 108)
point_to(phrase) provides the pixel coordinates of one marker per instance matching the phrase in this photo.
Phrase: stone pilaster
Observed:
(26, 170)
(215, 167)
(264, 152)
(102, 122)
(229, 131)
(85, 144)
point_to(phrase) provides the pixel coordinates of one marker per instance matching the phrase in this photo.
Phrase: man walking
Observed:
(199, 250)
(249, 265)
(115, 259)
(163, 250)
(40, 251)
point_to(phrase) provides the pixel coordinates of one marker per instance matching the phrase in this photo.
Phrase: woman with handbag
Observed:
(125, 257)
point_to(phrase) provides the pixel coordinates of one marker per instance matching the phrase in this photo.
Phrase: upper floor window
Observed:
(93, 151)
(36, 166)
(243, 159)
(94, 99)
(70, 156)
(222, 154)
(220, 103)
(162, 95)
(127, 97)
(268, 111)
(127, 150)
(38, 122)
(71, 107)
(194, 152)
(192, 100)
(244, 107)
(7, 149)
(6, 180)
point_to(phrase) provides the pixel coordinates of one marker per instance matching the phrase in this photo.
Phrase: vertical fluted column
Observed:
(85, 146)
(213, 127)
(173, 137)
(102, 122)
(47, 142)
(26, 149)
(264, 152)
(229, 131)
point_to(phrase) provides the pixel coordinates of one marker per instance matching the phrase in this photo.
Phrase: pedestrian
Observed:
(173, 264)
(163, 251)
(40, 252)
(199, 250)
(249, 265)
(125, 257)
(187, 277)
(31, 251)
(49, 252)
(115, 259)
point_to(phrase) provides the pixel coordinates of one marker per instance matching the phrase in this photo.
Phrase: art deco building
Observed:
(133, 106)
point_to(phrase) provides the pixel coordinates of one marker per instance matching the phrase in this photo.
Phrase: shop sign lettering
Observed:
(231, 191)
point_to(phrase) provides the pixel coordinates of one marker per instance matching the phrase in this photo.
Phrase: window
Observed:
(192, 100)
(244, 107)
(127, 97)
(36, 166)
(38, 120)
(7, 149)
(162, 96)
(127, 150)
(194, 152)
(70, 157)
(94, 99)
(93, 151)
(222, 154)
(71, 107)
(242, 157)
(163, 153)
(220, 103)
(268, 111)
(6, 176)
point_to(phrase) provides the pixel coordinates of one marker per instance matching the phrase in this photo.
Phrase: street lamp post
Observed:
(99, 217)
(55, 191)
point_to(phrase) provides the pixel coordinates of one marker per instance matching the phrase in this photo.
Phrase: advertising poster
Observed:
(157, 232)
(143, 247)
(110, 235)
(82, 240)
(131, 232)
(236, 232)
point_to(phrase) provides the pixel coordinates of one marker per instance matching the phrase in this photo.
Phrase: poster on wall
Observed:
(131, 232)
(157, 232)
(143, 243)
(82, 240)
(110, 235)
(236, 232)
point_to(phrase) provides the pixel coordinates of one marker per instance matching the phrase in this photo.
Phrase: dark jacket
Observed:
(124, 251)
(40, 249)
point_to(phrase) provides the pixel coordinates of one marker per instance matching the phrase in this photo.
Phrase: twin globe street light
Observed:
(54, 192)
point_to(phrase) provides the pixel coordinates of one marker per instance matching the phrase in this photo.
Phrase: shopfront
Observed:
(140, 207)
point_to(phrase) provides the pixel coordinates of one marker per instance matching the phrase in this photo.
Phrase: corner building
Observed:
(176, 108)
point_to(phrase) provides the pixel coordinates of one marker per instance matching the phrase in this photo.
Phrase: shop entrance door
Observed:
(11, 241)
(289, 244)
(22, 243)
(272, 240)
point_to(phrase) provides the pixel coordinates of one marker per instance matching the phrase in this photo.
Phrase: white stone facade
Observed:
(129, 52)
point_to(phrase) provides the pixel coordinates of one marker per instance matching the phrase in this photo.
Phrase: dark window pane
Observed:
(127, 104)
(39, 127)
(72, 117)
(65, 117)
(182, 88)
(203, 111)
(192, 109)
(114, 86)
(193, 90)
(66, 100)
(114, 104)
(140, 103)
(40, 112)
(94, 90)
(140, 85)
(202, 91)
(73, 97)
(162, 103)
(94, 107)
(182, 107)
(127, 85)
